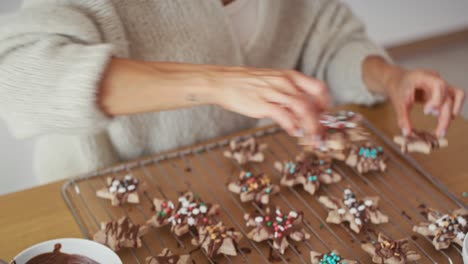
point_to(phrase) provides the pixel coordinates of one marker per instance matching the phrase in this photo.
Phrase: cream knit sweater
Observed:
(53, 52)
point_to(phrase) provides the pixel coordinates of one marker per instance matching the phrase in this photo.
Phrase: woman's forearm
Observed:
(378, 74)
(131, 87)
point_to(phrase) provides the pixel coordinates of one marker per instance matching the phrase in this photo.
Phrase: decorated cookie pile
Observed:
(308, 171)
(445, 229)
(167, 257)
(420, 141)
(390, 251)
(357, 212)
(245, 151)
(254, 187)
(121, 191)
(365, 157)
(189, 212)
(279, 227)
(121, 233)
(332, 257)
(217, 240)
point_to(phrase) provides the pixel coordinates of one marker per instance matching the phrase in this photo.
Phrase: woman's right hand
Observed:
(288, 97)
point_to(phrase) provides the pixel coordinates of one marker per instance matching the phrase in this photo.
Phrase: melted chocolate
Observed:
(127, 231)
(56, 256)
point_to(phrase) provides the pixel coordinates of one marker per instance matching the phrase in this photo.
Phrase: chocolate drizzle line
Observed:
(56, 256)
(122, 231)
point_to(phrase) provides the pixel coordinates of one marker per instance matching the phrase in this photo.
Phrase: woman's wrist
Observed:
(380, 76)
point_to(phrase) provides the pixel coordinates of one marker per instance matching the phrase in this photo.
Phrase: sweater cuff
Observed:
(345, 74)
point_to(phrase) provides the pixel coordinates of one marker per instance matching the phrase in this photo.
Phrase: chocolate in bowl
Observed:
(58, 257)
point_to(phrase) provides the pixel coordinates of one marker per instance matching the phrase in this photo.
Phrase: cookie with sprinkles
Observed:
(167, 257)
(309, 171)
(365, 157)
(245, 151)
(444, 229)
(274, 225)
(420, 141)
(254, 187)
(122, 233)
(350, 209)
(218, 240)
(389, 251)
(121, 191)
(332, 257)
(189, 212)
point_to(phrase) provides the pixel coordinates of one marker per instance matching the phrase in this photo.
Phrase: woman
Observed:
(108, 80)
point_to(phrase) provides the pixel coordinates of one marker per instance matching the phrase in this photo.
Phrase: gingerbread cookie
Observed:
(190, 211)
(332, 257)
(365, 157)
(250, 187)
(218, 240)
(420, 141)
(445, 229)
(245, 151)
(276, 226)
(357, 212)
(121, 191)
(167, 257)
(120, 234)
(390, 251)
(308, 171)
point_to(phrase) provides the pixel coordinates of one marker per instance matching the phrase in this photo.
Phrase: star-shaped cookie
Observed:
(365, 157)
(309, 171)
(121, 233)
(389, 251)
(218, 240)
(445, 229)
(279, 227)
(190, 211)
(254, 187)
(121, 191)
(357, 212)
(167, 257)
(332, 257)
(420, 141)
(244, 151)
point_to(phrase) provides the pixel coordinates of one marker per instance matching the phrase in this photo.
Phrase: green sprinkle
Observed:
(321, 226)
(162, 213)
(269, 223)
(464, 194)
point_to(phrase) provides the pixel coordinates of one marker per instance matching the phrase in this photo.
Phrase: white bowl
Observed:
(87, 248)
(465, 250)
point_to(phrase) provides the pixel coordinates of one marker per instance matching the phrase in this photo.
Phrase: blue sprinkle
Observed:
(244, 189)
(329, 171)
(321, 162)
(292, 170)
(379, 149)
(312, 178)
(288, 165)
(268, 190)
(248, 174)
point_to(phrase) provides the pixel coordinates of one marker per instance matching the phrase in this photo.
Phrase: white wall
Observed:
(388, 22)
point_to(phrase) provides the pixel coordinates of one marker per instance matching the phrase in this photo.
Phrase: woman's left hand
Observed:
(439, 97)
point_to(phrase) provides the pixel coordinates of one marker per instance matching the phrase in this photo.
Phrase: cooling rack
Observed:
(404, 188)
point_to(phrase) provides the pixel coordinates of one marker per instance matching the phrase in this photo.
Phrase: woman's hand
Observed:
(290, 98)
(405, 88)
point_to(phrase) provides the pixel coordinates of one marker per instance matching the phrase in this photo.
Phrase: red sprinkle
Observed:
(205, 220)
(164, 204)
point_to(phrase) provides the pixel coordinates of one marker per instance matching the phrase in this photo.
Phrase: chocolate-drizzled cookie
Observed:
(279, 227)
(332, 257)
(121, 191)
(309, 171)
(365, 157)
(420, 141)
(350, 209)
(339, 131)
(167, 257)
(218, 240)
(245, 151)
(445, 229)
(190, 211)
(389, 251)
(120, 234)
(254, 187)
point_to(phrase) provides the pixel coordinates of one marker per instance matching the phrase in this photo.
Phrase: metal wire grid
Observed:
(198, 170)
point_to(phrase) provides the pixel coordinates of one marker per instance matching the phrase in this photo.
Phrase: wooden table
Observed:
(40, 214)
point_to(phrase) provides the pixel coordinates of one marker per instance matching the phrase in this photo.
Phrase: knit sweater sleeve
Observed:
(51, 60)
(335, 50)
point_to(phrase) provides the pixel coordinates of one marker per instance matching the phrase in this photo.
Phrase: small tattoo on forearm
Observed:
(192, 98)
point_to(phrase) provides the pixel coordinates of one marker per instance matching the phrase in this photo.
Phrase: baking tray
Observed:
(403, 188)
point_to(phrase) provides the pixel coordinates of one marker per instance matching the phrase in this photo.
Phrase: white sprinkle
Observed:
(193, 205)
(461, 235)
(128, 177)
(131, 187)
(341, 211)
(203, 209)
(195, 211)
(361, 207)
(112, 189)
(347, 202)
(279, 219)
(179, 221)
(121, 190)
(182, 199)
(432, 227)
(280, 227)
(185, 204)
(358, 221)
(347, 191)
(368, 203)
(191, 221)
(278, 212)
(258, 219)
(171, 205)
(293, 214)
(183, 211)
(353, 210)
(115, 183)
(350, 125)
(461, 220)
(276, 234)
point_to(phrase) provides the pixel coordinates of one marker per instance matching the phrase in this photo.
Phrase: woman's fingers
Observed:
(437, 92)
(445, 117)
(403, 116)
(313, 87)
(282, 117)
(458, 99)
